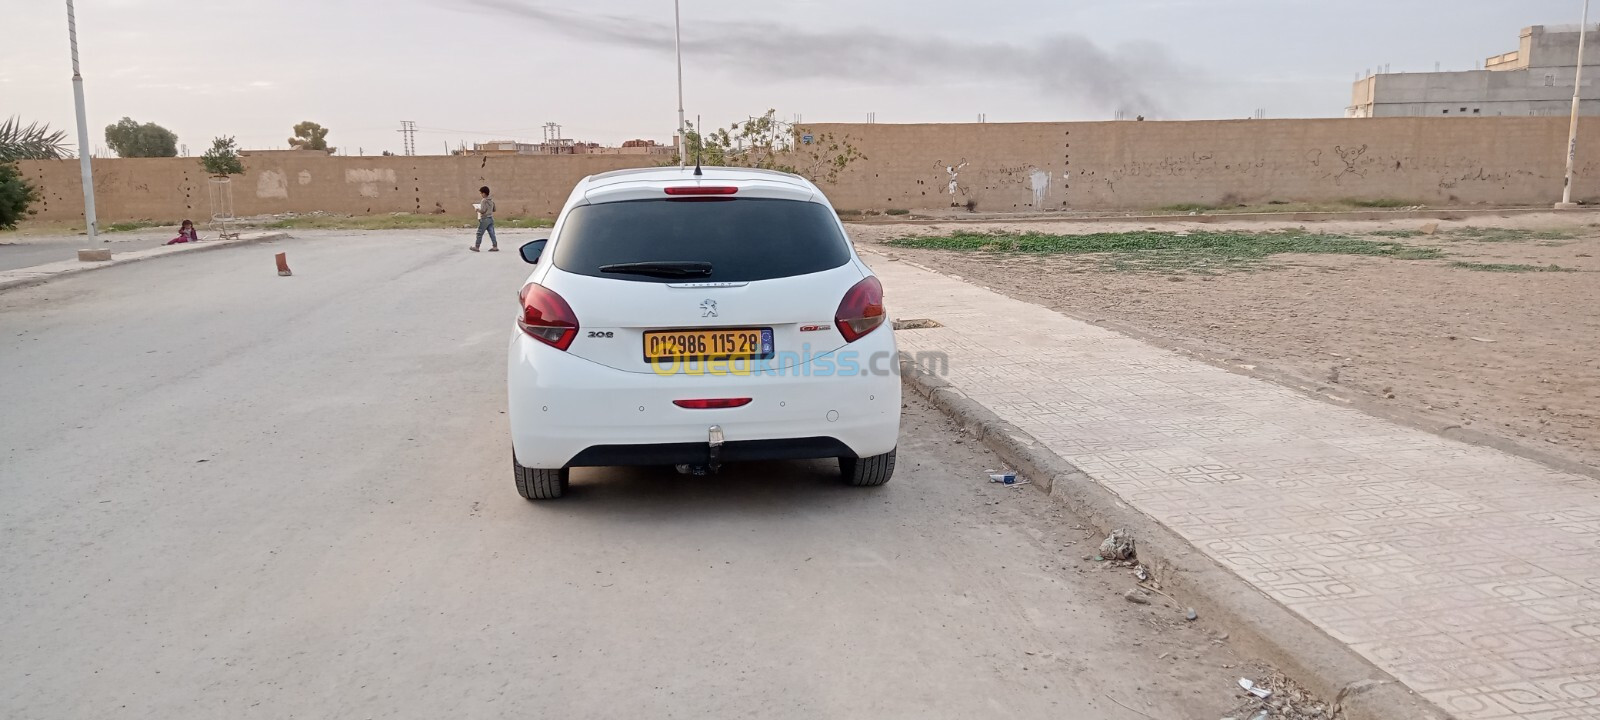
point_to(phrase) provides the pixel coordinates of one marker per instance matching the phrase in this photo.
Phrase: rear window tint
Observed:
(744, 240)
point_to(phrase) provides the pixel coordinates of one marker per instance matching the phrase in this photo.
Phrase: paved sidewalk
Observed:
(1471, 575)
(23, 277)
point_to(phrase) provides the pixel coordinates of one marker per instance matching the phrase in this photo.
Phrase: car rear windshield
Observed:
(743, 240)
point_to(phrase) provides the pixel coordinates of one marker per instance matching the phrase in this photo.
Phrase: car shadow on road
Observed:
(744, 490)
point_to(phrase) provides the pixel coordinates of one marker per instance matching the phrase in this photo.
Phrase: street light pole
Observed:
(1577, 97)
(683, 140)
(83, 129)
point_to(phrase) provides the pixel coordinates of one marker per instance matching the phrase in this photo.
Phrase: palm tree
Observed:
(34, 142)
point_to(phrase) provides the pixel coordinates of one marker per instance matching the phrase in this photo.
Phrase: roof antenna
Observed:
(697, 172)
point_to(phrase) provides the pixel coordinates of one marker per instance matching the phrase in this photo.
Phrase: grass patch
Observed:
(1203, 252)
(400, 221)
(1285, 206)
(1499, 235)
(897, 211)
(1380, 203)
(525, 223)
(134, 225)
(1396, 233)
(1504, 268)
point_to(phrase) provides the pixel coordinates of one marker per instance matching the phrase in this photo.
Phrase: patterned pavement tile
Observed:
(1471, 575)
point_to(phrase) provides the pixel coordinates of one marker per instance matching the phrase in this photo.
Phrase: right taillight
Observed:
(861, 311)
(547, 318)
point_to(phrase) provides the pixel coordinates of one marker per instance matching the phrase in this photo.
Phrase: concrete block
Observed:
(95, 255)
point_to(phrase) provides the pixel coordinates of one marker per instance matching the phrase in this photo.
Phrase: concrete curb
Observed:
(40, 274)
(1349, 215)
(1257, 624)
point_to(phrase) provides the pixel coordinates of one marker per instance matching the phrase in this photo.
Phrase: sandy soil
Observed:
(1513, 354)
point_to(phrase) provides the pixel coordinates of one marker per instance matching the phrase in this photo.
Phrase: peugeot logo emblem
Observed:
(708, 308)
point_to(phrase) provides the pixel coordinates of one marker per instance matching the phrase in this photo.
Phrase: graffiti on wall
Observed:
(1039, 183)
(1354, 170)
(955, 176)
(971, 187)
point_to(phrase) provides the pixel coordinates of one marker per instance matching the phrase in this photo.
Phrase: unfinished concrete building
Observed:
(1533, 80)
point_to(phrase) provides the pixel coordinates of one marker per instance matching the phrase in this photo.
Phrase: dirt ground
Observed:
(1507, 351)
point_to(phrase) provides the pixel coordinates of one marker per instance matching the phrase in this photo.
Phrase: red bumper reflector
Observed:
(713, 404)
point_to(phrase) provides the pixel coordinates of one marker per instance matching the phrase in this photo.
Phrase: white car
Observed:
(688, 317)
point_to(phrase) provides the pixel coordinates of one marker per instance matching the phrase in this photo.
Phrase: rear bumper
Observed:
(700, 454)
(566, 411)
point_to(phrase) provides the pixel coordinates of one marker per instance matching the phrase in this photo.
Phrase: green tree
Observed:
(771, 144)
(310, 136)
(34, 142)
(130, 139)
(222, 159)
(15, 196)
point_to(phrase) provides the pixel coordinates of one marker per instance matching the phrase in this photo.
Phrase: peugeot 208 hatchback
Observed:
(696, 317)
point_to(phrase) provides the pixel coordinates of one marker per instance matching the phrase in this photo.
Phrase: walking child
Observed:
(485, 221)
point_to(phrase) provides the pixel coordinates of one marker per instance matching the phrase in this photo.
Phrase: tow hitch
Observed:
(713, 455)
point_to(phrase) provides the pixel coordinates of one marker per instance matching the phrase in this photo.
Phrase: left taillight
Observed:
(861, 311)
(547, 318)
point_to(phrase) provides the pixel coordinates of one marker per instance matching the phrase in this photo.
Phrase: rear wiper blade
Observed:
(662, 268)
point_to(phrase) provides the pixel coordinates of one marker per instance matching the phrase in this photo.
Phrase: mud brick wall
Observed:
(989, 167)
(174, 188)
(1141, 165)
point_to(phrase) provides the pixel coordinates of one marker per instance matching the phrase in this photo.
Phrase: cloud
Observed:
(1069, 67)
(205, 88)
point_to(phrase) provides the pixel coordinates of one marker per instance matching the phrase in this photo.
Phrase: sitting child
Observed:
(186, 234)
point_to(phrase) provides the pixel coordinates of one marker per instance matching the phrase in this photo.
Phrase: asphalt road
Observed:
(229, 494)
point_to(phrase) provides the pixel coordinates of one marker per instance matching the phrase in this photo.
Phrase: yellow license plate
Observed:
(732, 344)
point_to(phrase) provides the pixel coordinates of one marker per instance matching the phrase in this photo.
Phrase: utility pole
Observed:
(83, 129)
(408, 130)
(683, 140)
(1577, 98)
(553, 144)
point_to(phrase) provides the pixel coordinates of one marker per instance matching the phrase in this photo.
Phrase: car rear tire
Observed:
(538, 483)
(868, 471)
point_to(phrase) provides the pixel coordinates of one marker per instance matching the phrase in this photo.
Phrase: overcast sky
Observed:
(470, 70)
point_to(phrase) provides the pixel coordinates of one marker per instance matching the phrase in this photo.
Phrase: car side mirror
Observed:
(532, 251)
